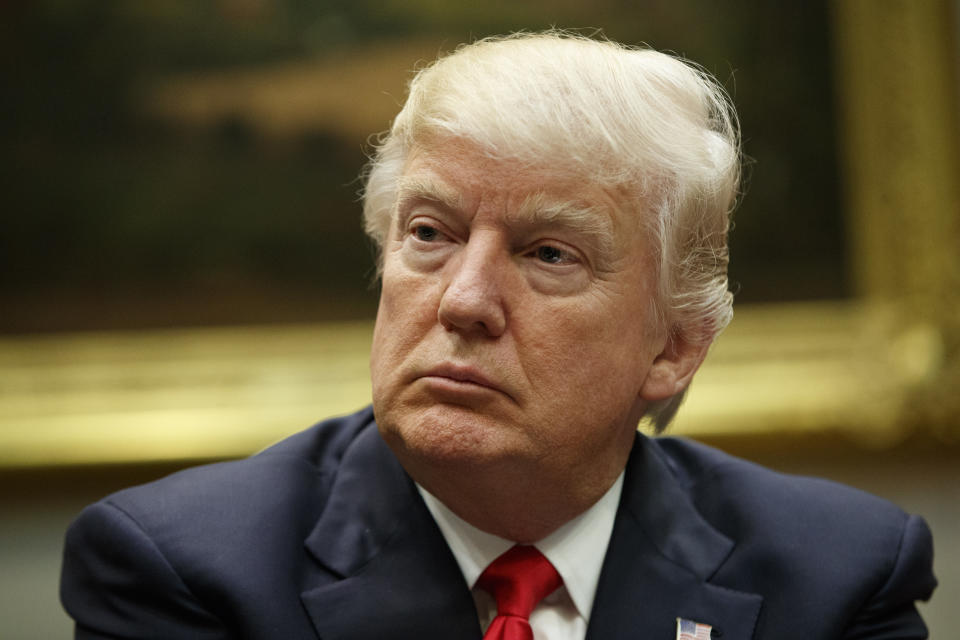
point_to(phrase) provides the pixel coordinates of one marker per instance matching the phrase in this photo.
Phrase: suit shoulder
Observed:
(797, 525)
(716, 479)
(286, 480)
(795, 538)
(220, 542)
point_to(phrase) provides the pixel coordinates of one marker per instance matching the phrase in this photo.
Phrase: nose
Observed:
(473, 299)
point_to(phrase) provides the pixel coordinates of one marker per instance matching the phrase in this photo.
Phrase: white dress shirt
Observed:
(576, 550)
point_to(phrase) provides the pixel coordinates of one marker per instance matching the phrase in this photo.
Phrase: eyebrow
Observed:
(589, 220)
(538, 209)
(426, 188)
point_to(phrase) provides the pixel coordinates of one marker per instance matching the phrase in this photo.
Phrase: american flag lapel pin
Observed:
(690, 630)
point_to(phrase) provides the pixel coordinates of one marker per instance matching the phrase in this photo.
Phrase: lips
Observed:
(466, 376)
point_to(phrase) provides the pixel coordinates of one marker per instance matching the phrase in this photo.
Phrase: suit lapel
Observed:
(383, 568)
(661, 557)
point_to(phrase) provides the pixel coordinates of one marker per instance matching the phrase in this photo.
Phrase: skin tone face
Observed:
(516, 344)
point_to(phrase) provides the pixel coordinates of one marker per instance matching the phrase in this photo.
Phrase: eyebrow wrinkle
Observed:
(538, 209)
(427, 188)
(590, 220)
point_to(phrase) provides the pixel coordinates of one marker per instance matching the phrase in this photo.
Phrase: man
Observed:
(552, 214)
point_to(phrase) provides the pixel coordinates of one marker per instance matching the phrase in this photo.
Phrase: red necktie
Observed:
(518, 580)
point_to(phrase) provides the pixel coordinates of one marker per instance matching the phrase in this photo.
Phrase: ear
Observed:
(673, 368)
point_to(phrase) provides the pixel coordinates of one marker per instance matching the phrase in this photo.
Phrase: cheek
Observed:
(575, 349)
(406, 310)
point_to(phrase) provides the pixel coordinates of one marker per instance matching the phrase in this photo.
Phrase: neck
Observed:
(512, 501)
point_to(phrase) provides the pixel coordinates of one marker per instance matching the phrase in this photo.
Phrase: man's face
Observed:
(516, 323)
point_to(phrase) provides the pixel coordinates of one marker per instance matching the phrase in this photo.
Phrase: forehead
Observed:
(464, 167)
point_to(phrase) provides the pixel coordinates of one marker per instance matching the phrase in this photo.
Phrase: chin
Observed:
(449, 435)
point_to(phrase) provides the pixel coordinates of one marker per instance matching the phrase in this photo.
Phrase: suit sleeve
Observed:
(891, 612)
(116, 583)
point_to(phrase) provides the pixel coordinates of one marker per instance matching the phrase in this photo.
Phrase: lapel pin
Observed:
(690, 630)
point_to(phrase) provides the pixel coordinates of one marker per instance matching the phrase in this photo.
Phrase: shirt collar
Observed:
(576, 549)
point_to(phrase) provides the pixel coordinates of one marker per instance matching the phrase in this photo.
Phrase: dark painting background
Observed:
(188, 162)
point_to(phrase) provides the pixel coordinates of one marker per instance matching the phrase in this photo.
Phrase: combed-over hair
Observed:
(658, 129)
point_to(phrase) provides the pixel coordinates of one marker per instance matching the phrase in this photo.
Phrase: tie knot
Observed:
(518, 580)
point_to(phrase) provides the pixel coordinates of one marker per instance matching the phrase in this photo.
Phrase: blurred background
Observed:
(180, 163)
(183, 275)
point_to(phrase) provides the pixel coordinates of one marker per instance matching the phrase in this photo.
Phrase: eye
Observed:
(425, 233)
(554, 255)
(550, 254)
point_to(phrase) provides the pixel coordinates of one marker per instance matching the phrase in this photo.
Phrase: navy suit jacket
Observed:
(325, 536)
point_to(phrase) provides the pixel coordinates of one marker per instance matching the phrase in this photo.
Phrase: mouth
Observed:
(461, 378)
